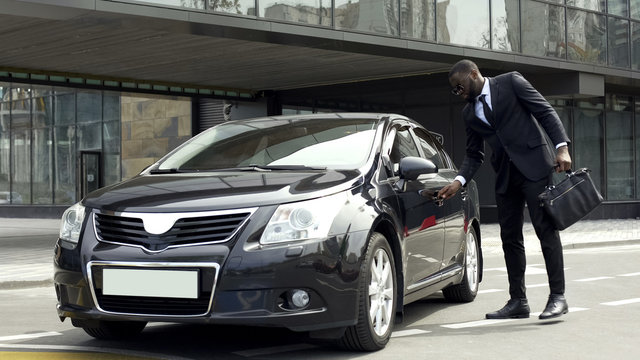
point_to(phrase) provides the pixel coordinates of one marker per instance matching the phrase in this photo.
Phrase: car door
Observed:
(421, 214)
(453, 208)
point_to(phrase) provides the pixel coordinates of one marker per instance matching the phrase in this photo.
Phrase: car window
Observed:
(430, 148)
(403, 146)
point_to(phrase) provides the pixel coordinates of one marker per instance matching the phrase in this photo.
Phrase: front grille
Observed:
(127, 229)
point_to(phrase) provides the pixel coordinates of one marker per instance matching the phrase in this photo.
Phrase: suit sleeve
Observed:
(540, 108)
(474, 155)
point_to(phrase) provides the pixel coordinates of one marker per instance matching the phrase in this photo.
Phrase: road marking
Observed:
(537, 285)
(101, 350)
(594, 279)
(622, 302)
(408, 332)
(632, 274)
(488, 291)
(29, 336)
(274, 350)
(476, 323)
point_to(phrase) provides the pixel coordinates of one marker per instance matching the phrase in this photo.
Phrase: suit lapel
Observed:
(495, 93)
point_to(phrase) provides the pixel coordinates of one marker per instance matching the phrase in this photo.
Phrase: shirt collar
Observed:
(485, 89)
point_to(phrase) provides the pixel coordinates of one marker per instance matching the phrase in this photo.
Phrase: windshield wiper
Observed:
(254, 167)
(166, 171)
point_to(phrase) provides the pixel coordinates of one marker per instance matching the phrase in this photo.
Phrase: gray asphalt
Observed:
(26, 245)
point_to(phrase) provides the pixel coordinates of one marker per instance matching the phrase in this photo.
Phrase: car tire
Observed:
(467, 290)
(114, 330)
(378, 292)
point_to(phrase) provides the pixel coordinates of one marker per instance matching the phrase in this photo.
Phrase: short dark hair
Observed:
(463, 66)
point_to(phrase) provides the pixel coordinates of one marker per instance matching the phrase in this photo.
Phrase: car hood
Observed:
(218, 191)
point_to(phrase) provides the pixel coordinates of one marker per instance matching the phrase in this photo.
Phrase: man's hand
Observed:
(563, 160)
(449, 190)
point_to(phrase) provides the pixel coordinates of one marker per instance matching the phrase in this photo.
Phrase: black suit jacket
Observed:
(521, 118)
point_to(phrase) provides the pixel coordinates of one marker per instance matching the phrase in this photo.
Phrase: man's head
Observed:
(466, 80)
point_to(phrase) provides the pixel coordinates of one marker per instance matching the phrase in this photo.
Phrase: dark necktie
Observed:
(488, 114)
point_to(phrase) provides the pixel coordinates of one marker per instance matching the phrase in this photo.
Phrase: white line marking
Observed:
(274, 350)
(408, 332)
(537, 285)
(632, 274)
(476, 323)
(594, 279)
(622, 302)
(488, 291)
(29, 336)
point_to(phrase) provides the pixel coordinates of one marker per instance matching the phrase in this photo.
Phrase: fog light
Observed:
(299, 298)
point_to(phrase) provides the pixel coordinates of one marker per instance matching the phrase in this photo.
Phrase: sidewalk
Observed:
(26, 245)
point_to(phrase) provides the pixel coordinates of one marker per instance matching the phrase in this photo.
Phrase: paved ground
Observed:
(26, 245)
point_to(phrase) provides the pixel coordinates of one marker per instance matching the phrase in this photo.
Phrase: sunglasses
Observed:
(459, 89)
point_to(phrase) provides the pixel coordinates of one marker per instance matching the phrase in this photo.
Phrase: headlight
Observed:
(72, 223)
(303, 220)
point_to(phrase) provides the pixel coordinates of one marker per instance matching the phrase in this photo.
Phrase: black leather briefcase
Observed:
(571, 199)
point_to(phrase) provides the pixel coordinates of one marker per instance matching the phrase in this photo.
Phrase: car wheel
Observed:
(376, 308)
(113, 330)
(467, 290)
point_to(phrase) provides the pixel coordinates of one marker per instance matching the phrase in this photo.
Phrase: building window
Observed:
(505, 32)
(597, 5)
(374, 16)
(618, 40)
(313, 12)
(463, 22)
(239, 7)
(619, 148)
(618, 7)
(42, 131)
(417, 19)
(588, 138)
(586, 37)
(543, 29)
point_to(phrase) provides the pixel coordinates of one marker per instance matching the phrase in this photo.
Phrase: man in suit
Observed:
(512, 117)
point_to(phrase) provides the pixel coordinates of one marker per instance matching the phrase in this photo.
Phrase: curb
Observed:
(24, 284)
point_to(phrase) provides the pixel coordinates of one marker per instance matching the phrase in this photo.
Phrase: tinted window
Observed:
(429, 148)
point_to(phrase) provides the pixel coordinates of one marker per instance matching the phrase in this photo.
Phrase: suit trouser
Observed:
(511, 218)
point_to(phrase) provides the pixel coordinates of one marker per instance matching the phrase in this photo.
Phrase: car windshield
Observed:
(282, 144)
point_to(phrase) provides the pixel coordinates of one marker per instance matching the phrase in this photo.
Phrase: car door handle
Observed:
(433, 194)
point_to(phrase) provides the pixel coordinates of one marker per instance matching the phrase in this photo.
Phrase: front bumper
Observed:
(237, 283)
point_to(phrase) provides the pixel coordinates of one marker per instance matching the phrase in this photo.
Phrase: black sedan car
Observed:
(324, 223)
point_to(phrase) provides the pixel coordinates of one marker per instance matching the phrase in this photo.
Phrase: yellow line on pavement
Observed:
(27, 355)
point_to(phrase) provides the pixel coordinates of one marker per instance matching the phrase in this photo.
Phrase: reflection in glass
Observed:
(618, 7)
(586, 34)
(542, 29)
(619, 148)
(618, 40)
(635, 45)
(89, 106)
(376, 16)
(65, 108)
(597, 5)
(588, 139)
(42, 165)
(193, 4)
(239, 7)
(65, 169)
(417, 19)
(5, 149)
(463, 22)
(21, 162)
(506, 25)
(634, 9)
(314, 12)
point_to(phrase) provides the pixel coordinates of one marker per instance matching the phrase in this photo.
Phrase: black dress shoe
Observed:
(556, 306)
(515, 309)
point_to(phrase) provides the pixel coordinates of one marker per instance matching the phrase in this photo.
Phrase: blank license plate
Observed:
(152, 283)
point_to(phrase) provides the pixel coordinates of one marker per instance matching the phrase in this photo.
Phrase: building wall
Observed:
(151, 127)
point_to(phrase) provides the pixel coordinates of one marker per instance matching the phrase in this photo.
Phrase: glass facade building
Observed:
(45, 132)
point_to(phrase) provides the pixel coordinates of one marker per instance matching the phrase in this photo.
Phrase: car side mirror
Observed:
(412, 167)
